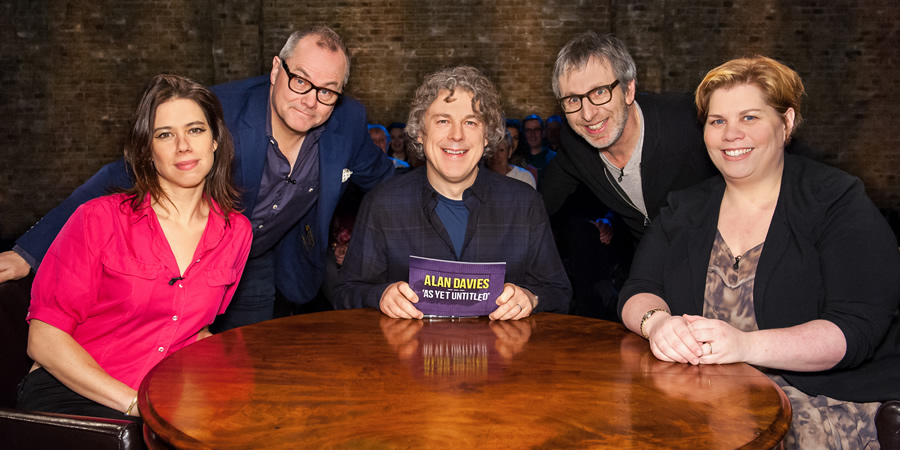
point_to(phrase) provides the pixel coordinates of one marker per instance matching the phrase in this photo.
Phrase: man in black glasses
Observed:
(298, 141)
(629, 150)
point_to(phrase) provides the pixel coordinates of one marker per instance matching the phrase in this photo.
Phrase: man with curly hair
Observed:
(455, 209)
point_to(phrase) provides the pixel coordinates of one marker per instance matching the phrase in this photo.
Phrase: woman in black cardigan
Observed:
(781, 262)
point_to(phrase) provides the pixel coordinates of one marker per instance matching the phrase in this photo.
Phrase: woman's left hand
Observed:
(721, 342)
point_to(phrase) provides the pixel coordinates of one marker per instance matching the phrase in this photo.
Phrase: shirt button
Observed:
(274, 206)
(311, 189)
(260, 227)
(180, 285)
(160, 349)
(174, 317)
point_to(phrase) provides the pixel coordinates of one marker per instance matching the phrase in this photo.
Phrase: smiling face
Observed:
(601, 126)
(453, 140)
(744, 135)
(295, 113)
(183, 145)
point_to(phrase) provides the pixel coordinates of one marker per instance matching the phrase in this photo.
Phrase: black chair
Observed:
(888, 423)
(28, 429)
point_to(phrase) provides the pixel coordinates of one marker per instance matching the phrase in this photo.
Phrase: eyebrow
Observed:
(306, 75)
(189, 124)
(741, 113)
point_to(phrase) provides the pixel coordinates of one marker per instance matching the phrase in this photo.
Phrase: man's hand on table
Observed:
(397, 302)
(515, 303)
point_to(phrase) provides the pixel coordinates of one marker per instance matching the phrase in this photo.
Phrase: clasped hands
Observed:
(695, 340)
(514, 302)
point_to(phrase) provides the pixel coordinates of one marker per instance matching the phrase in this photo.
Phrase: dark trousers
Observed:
(40, 391)
(254, 299)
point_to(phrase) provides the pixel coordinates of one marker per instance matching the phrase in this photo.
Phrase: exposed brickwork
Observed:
(71, 70)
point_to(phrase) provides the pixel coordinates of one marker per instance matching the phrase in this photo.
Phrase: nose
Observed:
(456, 132)
(588, 110)
(732, 132)
(182, 144)
(309, 99)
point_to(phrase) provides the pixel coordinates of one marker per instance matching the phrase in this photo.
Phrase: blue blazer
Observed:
(345, 146)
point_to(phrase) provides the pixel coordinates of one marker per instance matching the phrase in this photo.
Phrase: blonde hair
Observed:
(780, 85)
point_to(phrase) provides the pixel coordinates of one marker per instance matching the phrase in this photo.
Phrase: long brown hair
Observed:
(219, 186)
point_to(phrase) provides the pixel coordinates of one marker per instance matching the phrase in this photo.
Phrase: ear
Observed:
(788, 123)
(630, 92)
(215, 146)
(276, 66)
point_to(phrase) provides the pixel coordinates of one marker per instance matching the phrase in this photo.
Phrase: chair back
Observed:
(15, 296)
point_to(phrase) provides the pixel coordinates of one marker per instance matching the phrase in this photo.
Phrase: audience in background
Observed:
(382, 139)
(552, 132)
(499, 162)
(398, 141)
(536, 153)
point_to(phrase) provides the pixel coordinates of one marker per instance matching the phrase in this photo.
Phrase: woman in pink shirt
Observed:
(137, 275)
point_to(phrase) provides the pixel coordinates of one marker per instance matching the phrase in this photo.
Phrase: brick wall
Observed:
(71, 70)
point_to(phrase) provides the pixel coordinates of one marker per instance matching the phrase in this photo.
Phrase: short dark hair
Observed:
(485, 104)
(533, 117)
(139, 148)
(399, 125)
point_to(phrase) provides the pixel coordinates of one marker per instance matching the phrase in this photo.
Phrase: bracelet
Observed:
(647, 316)
(131, 406)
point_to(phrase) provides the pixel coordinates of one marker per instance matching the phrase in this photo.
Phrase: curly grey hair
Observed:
(579, 51)
(328, 40)
(485, 103)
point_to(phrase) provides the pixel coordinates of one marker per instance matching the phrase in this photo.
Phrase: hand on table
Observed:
(12, 266)
(671, 339)
(515, 303)
(721, 342)
(397, 302)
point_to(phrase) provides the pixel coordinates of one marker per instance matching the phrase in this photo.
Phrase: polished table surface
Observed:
(360, 379)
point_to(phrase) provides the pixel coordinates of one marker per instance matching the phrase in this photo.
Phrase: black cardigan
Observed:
(673, 157)
(828, 254)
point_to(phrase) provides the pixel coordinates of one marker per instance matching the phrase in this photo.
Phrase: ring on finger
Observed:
(710, 347)
(520, 307)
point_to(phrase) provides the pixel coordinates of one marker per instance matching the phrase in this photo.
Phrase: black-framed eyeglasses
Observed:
(599, 95)
(301, 85)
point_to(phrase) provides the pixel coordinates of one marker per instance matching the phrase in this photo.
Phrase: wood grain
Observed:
(359, 379)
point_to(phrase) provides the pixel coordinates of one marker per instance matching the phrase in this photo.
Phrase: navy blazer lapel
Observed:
(251, 139)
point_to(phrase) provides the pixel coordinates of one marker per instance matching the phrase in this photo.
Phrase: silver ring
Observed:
(520, 307)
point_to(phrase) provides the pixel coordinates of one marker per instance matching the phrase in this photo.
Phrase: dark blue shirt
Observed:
(454, 215)
(286, 194)
(507, 222)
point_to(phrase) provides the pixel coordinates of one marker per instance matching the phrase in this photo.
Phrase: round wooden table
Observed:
(360, 379)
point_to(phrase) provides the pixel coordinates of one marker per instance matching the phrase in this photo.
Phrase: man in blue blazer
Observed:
(297, 141)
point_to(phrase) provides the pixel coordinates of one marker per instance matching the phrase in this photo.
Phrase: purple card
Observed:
(454, 288)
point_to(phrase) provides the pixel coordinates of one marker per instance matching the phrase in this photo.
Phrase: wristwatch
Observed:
(647, 316)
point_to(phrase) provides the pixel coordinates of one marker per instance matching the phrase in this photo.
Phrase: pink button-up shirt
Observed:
(111, 281)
